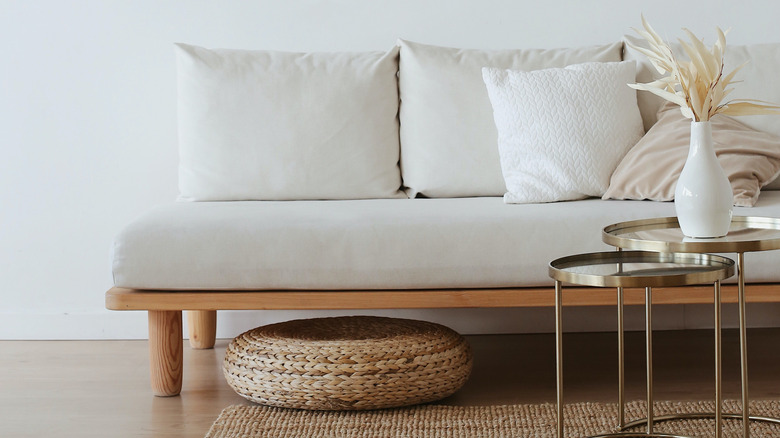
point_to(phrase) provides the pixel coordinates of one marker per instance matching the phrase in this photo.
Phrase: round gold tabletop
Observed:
(640, 269)
(663, 234)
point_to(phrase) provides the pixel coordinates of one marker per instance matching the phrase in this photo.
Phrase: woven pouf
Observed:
(347, 363)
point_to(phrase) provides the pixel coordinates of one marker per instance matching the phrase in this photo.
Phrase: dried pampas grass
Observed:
(698, 86)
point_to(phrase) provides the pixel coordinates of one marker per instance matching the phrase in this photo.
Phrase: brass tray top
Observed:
(640, 269)
(664, 235)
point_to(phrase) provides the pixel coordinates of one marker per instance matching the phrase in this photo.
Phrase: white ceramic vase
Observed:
(703, 197)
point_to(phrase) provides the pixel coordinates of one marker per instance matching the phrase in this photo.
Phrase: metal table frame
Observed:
(747, 234)
(673, 269)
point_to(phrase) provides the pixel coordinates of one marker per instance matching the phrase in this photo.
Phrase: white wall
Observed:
(88, 125)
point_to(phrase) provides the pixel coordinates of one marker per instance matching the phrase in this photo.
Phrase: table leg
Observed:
(621, 362)
(649, 346)
(621, 355)
(718, 364)
(559, 354)
(743, 343)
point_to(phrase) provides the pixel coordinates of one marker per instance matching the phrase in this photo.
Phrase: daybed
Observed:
(373, 180)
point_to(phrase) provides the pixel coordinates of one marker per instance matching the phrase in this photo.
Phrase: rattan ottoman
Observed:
(347, 363)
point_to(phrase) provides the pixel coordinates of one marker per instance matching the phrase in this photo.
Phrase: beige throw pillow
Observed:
(750, 158)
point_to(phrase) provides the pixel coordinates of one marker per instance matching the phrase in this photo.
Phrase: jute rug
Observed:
(537, 421)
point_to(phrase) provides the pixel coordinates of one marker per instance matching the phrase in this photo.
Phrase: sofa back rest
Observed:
(260, 125)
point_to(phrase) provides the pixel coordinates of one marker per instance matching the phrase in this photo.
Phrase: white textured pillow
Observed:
(259, 125)
(448, 138)
(563, 131)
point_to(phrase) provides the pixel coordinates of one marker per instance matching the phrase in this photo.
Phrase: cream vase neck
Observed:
(701, 140)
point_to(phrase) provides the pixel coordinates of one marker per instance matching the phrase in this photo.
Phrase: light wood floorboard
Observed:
(101, 388)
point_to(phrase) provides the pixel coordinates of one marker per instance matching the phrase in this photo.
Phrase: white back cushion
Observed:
(448, 137)
(260, 125)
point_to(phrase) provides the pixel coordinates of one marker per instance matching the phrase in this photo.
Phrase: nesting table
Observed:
(620, 269)
(746, 234)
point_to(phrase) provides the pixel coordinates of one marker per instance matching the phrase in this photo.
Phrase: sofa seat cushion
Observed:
(376, 244)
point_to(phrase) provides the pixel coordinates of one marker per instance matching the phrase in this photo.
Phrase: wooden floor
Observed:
(101, 388)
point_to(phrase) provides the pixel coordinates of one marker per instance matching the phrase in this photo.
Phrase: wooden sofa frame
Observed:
(165, 309)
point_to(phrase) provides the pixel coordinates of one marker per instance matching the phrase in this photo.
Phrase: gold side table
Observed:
(746, 234)
(620, 269)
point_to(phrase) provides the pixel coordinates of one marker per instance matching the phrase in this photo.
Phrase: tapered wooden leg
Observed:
(202, 326)
(165, 351)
